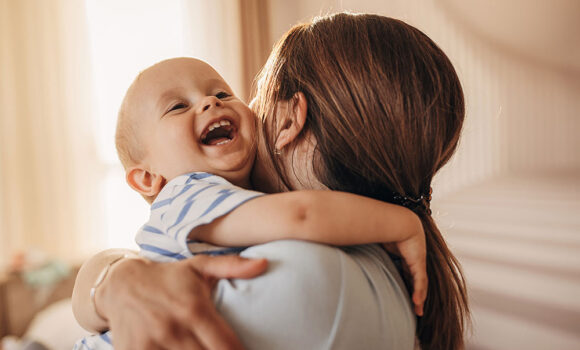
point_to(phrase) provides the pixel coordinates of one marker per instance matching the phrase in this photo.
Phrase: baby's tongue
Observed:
(219, 135)
(215, 141)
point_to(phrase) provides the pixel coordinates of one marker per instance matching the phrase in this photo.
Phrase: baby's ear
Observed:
(291, 119)
(145, 182)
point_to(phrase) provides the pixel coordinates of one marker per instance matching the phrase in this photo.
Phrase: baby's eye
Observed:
(222, 94)
(177, 106)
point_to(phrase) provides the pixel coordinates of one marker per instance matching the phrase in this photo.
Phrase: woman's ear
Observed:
(145, 182)
(292, 119)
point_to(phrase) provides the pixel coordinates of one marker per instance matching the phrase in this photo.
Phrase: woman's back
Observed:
(320, 297)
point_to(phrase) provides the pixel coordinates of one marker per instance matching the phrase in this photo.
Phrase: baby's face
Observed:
(189, 120)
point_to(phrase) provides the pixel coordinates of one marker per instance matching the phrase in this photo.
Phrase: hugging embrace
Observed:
(354, 115)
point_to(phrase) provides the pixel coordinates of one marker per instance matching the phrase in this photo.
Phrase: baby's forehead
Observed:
(168, 78)
(179, 67)
(173, 74)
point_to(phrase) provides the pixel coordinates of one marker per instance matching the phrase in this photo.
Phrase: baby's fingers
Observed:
(420, 285)
(414, 252)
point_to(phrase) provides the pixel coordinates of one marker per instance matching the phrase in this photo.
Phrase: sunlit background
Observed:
(509, 202)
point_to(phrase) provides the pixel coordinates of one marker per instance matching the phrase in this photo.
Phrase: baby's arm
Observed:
(329, 217)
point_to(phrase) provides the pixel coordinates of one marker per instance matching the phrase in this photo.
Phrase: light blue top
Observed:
(319, 297)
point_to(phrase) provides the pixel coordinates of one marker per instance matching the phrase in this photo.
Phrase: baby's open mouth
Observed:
(218, 133)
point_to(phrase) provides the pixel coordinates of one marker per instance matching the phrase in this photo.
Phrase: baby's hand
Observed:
(414, 252)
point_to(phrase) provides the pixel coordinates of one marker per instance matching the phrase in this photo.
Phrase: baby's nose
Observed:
(210, 102)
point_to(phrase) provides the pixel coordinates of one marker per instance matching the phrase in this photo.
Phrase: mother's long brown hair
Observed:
(386, 108)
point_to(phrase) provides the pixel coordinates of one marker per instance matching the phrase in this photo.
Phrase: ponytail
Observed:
(446, 308)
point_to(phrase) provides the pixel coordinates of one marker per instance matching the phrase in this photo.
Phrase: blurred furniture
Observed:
(20, 302)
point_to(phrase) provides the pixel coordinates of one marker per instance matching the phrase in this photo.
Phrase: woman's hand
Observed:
(169, 305)
(413, 250)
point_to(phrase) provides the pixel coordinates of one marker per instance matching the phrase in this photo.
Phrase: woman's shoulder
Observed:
(328, 297)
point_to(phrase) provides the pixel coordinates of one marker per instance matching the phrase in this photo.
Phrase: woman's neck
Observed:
(295, 160)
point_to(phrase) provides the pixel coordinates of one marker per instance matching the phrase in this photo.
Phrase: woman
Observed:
(357, 103)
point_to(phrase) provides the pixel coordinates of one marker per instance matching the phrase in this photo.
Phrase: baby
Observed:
(188, 146)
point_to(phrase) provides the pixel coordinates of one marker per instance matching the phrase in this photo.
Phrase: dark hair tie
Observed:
(422, 202)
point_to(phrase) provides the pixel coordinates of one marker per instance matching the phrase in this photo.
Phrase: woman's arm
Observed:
(159, 305)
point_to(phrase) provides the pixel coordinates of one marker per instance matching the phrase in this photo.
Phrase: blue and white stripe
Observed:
(185, 203)
(95, 342)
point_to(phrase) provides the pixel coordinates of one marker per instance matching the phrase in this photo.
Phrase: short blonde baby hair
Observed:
(129, 147)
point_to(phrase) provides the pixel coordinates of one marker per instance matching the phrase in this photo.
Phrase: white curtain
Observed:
(47, 159)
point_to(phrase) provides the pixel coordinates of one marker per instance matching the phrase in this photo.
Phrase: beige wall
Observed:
(522, 113)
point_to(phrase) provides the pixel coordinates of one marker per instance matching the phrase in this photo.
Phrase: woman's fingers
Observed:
(202, 317)
(210, 329)
(197, 310)
(231, 266)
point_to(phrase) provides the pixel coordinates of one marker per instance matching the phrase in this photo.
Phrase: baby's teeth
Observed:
(218, 124)
(222, 142)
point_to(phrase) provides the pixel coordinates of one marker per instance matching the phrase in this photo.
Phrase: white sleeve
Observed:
(319, 297)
